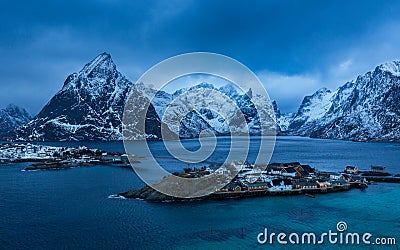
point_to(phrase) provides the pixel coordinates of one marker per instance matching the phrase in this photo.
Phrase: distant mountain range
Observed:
(205, 118)
(11, 118)
(365, 109)
(91, 102)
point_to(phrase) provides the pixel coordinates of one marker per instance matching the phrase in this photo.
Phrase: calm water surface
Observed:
(70, 209)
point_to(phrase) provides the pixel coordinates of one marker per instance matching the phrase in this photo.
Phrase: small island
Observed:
(45, 157)
(276, 179)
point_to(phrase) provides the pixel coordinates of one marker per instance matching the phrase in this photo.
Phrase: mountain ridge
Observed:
(365, 109)
(12, 117)
(88, 107)
(91, 102)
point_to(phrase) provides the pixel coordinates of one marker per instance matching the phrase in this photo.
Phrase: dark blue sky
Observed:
(296, 47)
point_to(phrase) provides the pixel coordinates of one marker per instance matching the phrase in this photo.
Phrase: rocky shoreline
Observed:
(149, 194)
(71, 164)
(272, 182)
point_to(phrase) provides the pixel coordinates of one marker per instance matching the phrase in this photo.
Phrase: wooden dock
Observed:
(389, 179)
(259, 193)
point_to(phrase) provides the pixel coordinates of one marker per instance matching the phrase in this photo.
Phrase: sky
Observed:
(294, 47)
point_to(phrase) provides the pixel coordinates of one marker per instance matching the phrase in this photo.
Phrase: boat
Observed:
(309, 195)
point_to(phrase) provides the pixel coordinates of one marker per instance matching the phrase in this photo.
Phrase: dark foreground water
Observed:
(70, 209)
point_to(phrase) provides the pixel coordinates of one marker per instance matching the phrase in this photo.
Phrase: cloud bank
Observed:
(296, 46)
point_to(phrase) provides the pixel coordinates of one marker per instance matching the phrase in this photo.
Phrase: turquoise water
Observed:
(70, 209)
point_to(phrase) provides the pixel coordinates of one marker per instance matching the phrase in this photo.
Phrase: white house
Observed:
(289, 171)
(281, 184)
(336, 176)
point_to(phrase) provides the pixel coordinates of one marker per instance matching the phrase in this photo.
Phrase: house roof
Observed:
(308, 168)
(230, 185)
(274, 166)
(277, 182)
(289, 170)
(258, 184)
(378, 167)
(303, 173)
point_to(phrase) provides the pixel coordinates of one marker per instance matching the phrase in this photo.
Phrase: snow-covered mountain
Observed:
(311, 109)
(88, 107)
(12, 117)
(91, 102)
(203, 115)
(283, 120)
(365, 109)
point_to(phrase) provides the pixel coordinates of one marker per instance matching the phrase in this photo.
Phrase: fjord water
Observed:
(71, 209)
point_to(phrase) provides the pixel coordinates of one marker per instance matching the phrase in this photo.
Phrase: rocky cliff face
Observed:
(282, 120)
(12, 117)
(207, 117)
(91, 102)
(311, 109)
(88, 107)
(365, 109)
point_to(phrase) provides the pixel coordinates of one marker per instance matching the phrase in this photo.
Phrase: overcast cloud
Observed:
(296, 47)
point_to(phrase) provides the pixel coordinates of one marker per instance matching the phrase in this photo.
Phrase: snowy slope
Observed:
(91, 102)
(88, 107)
(201, 104)
(12, 117)
(282, 120)
(365, 109)
(311, 109)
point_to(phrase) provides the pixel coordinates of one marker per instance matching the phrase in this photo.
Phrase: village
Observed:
(274, 179)
(291, 179)
(52, 157)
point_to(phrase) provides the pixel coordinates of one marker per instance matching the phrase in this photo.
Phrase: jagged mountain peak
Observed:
(12, 117)
(102, 61)
(321, 91)
(88, 107)
(391, 67)
(96, 78)
(14, 109)
(91, 103)
(229, 89)
(205, 85)
(323, 94)
(276, 109)
(202, 85)
(93, 72)
(366, 108)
